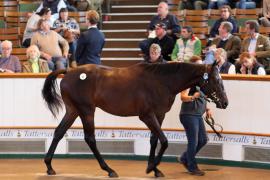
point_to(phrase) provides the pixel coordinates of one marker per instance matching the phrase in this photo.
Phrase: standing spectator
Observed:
(217, 4)
(69, 29)
(163, 40)
(31, 26)
(49, 43)
(224, 66)
(90, 42)
(226, 41)
(186, 46)
(226, 15)
(265, 20)
(8, 62)
(34, 64)
(256, 44)
(169, 20)
(55, 6)
(246, 4)
(192, 109)
(155, 54)
(249, 65)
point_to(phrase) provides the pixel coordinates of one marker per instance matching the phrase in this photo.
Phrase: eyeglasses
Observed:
(6, 49)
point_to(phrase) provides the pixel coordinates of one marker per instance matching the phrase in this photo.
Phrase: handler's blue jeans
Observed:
(197, 138)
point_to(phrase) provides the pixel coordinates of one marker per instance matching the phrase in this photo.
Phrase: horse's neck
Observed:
(185, 79)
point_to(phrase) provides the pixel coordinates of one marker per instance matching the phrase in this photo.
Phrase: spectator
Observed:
(192, 109)
(224, 66)
(265, 20)
(226, 41)
(55, 6)
(94, 4)
(163, 40)
(163, 16)
(249, 65)
(90, 42)
(8, 62)
(217, 4)
(49, 43)
(31, 26)
(193, 4)
(201, 4)
(34, 64)
(226, 15)
(186, 46)
(246, 4)
(256, 44)
(69, 29)
(155, 54)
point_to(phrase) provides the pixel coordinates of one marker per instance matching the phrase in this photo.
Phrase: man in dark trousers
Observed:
(90, 42)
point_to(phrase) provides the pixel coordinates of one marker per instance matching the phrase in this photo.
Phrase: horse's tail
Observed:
(50, 92)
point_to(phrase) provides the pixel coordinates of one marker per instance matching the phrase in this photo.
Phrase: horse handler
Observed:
(192, 109)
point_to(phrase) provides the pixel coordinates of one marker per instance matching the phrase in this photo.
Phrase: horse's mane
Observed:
(170, 68)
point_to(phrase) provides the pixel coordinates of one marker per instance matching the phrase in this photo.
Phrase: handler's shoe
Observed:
(197, 172)
(182, 162)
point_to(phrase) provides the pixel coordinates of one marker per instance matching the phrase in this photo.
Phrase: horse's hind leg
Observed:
(89, 133)
(59, 132)
(155, 127)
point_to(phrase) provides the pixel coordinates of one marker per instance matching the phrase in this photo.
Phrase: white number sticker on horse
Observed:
(83, 76)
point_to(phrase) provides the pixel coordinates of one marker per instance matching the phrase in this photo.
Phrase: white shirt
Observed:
(252, 44)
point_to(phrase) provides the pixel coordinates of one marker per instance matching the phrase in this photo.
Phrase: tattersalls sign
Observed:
(125, 134)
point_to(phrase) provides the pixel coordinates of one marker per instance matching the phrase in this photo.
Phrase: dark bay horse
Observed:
(144, 90)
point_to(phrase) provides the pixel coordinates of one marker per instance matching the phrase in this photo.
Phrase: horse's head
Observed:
(212, 86)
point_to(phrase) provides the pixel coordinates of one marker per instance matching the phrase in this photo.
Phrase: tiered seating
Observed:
(12, 34)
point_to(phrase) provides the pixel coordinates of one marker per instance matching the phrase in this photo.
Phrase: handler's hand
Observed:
(209, 113)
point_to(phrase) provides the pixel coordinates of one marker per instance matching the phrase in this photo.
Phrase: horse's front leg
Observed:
(89, 136)
(153, 124)
(153, 143)
(59, 132)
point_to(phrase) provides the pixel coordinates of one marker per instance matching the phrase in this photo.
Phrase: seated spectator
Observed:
(217, 4)
(49, 43)
(226, 41)
(31, 26)
(155, 55)
(193, 4)
(186, 46)
(246, 4)
(163, 16)
(256, 44)
(69, 29)
(249, 65)
(224, 66)
(55, 6)
(162, 39)
(226, 15)
(94, 4)
(265, 20)
(34, 64)
(8, 62)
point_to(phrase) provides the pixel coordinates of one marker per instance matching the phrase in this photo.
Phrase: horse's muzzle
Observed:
(222, 105)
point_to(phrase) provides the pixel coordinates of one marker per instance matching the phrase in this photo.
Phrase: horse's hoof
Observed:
(51, 172)
(158, 173)
(150, 168)
(113, 175)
